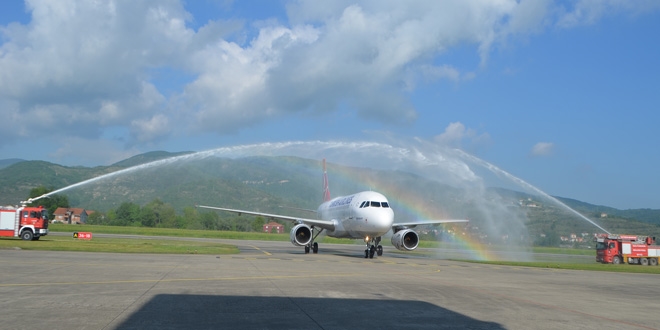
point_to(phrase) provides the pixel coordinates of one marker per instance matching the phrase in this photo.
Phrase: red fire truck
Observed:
(615, 249)
(26, 222)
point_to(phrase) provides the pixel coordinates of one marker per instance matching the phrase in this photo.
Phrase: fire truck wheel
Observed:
(644, 262)
(27, 235)
(653, 261)
(616, 260)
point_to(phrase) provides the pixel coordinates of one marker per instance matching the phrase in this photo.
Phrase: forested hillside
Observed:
(268, 184)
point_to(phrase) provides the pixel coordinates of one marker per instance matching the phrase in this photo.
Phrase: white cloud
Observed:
(585, 12)
(75, 150)
(456, 133)
(543, 149)
(147, 130)
(82, 67)
(435, 72)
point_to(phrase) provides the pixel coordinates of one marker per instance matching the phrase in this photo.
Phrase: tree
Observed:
(551, 238)
(147, 216)
(164, 214)
(258, 224)
(225, 224)
(127, 214)
(241, 224)
(96, 218)
(190, 215)
(209, 220)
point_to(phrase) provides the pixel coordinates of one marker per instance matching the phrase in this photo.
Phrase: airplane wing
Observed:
(398, 226)
(298, 209)
(328, 225)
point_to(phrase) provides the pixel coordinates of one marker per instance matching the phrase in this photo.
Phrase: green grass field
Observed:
(117, 245)
(155, 245)
(151, 245)
(146, 231)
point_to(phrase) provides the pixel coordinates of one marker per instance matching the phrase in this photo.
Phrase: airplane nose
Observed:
(385, 221)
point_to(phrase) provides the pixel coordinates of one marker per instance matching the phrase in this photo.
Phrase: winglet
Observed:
(326, 187)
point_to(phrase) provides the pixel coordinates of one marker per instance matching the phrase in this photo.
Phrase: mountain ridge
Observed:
(264, 183)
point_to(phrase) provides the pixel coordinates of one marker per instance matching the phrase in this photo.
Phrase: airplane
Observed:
(366, 215)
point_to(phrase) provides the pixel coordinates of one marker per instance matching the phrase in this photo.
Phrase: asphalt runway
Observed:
(274, 285)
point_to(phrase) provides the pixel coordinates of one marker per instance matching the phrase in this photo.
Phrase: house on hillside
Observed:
(273, 227)
(71, 215)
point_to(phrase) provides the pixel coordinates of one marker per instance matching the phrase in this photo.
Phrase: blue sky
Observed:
(563, 94)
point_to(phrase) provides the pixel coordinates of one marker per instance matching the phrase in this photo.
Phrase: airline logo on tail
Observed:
(326, 187)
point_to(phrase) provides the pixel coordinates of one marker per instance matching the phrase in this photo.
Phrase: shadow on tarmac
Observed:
(168, 311)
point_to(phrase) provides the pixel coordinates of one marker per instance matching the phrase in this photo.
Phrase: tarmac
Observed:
(274, 285)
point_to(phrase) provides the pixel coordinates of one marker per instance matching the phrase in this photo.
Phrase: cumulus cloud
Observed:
(543, 149)
(96, 152)
(585, 12)
(456, 134)
(80, 66)
(83, 67)
(147, 130)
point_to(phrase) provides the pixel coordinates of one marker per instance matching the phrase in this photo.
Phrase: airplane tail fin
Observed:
(326, 188)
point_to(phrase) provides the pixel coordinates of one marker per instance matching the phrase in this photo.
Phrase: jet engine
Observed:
(301, 235)
(405, 240)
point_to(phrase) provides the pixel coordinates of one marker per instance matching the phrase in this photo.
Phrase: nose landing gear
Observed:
(373, 247)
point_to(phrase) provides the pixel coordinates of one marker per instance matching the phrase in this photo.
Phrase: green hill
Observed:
(268, 183)
(148, 157)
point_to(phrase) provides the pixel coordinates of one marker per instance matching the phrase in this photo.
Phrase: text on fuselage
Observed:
(342, 201)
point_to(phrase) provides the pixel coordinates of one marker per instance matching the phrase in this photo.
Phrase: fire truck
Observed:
(631, 249)
(26, 222)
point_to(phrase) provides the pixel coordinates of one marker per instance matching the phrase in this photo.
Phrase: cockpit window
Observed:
(384, 204)
(375, 204)
(365, 203)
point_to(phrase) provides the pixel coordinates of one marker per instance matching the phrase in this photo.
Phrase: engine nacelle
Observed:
(405, 240)
(301, 235)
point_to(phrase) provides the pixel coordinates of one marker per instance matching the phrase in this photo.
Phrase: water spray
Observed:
(523, 183)
(445, 166)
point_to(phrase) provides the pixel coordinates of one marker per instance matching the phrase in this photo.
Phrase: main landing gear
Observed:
(313, 246)
(373, 247)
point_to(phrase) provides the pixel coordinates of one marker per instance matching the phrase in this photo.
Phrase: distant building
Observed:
(71, 215)
(273, 227)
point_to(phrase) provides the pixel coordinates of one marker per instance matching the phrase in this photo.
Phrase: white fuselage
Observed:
(366, 214)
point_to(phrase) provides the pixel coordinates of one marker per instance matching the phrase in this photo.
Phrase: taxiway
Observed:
(273, 285)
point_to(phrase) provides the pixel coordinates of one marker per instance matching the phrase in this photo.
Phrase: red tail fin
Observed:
(326, 187)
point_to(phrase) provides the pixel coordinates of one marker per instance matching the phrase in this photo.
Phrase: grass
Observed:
(556, 250)
(118, 245)
(146, 231)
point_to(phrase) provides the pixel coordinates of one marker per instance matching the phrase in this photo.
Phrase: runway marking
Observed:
(265, 252)
(248, 278)
(347, 261)
(389, 263)
(385, 262)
